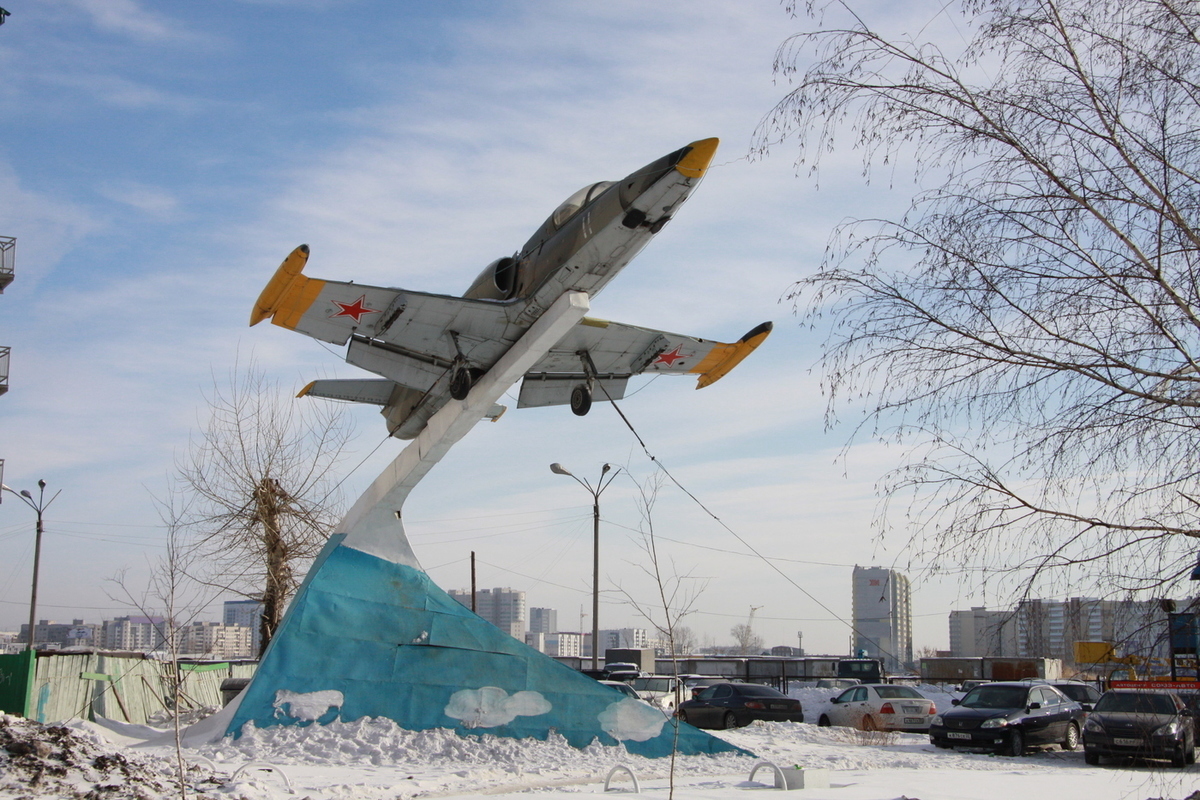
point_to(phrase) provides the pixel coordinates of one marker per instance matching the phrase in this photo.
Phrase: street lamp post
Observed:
(594, 491)
(38, 507)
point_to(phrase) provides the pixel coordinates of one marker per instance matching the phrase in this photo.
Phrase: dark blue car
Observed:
(1008, 717)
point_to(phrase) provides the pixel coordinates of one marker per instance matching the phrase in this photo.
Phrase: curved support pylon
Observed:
(368, 634)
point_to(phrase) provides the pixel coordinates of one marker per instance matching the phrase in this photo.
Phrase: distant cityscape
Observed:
(881, 614)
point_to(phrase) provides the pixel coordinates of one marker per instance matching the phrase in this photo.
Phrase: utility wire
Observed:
(730, 530)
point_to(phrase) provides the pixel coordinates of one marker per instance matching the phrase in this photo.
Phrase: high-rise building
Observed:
(543, 620)
(247, 613)
(980, 632)
(504, 608)
(883, 617)
(139, 634)
(1050, 628)
(215, 640)
(60, 634)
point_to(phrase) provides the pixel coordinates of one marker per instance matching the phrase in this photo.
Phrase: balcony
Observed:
(4, 369)
(8, 259)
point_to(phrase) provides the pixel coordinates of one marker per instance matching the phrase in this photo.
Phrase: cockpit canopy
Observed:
(570, 207)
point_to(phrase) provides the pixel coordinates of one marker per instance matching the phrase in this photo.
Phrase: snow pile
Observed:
(381, 742)
(51, 761)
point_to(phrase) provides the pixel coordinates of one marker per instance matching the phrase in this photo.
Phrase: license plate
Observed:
(957, 735)
(914, 720)
(1127, 742)
(778, 706)
(912, 709)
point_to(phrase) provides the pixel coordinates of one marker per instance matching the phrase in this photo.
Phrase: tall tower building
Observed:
(883, 616)
(543, 620)
(504, 608)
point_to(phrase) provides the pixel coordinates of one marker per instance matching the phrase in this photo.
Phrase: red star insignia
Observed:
(355, 309)
(670, 358)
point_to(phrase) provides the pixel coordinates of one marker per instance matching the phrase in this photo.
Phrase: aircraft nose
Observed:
(695, 162)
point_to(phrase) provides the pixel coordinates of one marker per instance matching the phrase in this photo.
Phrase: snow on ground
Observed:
(376, 760)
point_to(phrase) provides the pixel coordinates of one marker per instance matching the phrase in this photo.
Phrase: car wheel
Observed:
(868, 723)
(1072, 740)
(1179, 758)
(824, 722)
(1190, 756)
(681, 714)
(730, 720)
(942, 744)
(1014, 744)
(1091, 757)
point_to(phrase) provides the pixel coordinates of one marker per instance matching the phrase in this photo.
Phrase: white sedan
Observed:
(880, 707)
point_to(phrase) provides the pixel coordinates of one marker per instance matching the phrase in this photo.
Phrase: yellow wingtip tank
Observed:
(722, 359)
(272, 297)
(695, 163)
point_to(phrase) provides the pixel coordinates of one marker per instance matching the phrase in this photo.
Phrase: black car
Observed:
(1008, 717)
(732, 705)
(1083, 693)
(1140, 723)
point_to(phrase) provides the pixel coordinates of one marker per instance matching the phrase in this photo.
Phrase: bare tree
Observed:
(748, 643)
(259, 489)
(676, 598)
(1030, 328)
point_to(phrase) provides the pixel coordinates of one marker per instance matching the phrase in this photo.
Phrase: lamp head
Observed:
(25, 493)
(605, 468)
(41, 484)
(559, 469)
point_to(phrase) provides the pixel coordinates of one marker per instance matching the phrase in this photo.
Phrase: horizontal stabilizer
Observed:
(365, 390)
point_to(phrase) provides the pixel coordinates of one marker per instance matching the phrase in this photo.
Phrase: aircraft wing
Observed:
(619, 351)
(418, 323)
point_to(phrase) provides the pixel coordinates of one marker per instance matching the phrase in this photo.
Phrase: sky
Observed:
(157, 162)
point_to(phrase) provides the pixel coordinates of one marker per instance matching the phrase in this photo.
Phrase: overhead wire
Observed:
(773, 566)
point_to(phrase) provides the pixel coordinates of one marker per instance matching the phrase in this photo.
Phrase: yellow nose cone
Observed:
(698, 157)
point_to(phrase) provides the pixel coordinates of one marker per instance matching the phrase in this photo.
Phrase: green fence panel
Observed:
(16, 682)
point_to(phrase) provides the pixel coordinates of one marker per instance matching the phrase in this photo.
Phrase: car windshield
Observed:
(652, 684)
(753, 690)
(1136, 703)
(897, 692)
(996, 697)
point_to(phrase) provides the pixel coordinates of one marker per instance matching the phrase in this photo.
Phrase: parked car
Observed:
(660, 691)
(1140, 723)
(623, 688)
(1083, 693)
(970, 684)
(695, 683)
(837, 683)
(880, 707)
(1008, 717)
(733, 705)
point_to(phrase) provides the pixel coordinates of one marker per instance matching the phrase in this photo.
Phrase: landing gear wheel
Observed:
(581, 400)
(1091, 757)
(1014, 745)
(1072, 740)
(460, 383)
(824, 722)
(730, 721)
